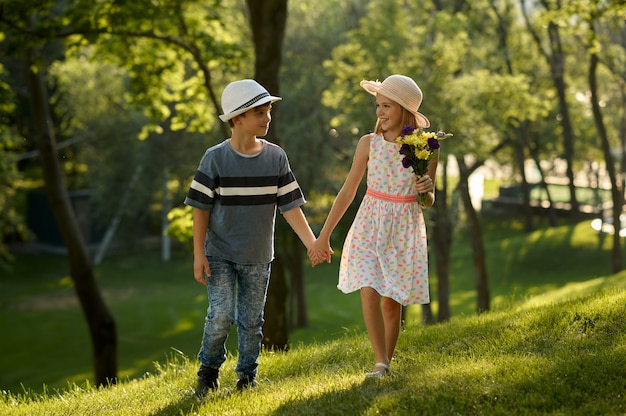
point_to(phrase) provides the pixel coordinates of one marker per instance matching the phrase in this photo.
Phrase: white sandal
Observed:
(379, 373)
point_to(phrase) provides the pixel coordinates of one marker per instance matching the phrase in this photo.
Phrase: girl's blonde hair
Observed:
(408, 119)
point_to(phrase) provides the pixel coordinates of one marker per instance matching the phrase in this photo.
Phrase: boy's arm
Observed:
(200, 262)
(297, 221)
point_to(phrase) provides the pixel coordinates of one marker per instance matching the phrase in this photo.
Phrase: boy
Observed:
(235, 192)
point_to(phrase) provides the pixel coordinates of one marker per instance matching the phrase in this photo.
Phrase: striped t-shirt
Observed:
(242, 193)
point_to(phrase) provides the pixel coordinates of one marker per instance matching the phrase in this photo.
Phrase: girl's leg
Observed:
(373, 317)
(392, 317)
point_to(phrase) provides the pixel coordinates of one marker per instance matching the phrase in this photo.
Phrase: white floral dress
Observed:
(386, 246)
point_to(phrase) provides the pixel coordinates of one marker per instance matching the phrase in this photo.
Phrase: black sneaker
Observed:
(246, 382)
(208, 379)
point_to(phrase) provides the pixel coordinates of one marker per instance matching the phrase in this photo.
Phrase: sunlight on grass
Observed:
(550, 344)
(575, 290)
(183, 325)
(561, 358)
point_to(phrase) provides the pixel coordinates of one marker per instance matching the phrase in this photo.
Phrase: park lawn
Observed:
(159, 308)
(532, 359)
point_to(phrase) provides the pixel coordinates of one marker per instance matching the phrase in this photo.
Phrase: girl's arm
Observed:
(344, 197)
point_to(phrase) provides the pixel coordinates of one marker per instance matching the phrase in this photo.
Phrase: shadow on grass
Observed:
(184, 406)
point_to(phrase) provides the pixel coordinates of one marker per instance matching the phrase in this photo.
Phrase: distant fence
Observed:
(593, 202)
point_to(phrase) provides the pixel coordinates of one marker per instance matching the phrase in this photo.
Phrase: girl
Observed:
(385, 251)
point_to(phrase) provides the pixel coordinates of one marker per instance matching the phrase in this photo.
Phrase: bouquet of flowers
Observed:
(418, 149)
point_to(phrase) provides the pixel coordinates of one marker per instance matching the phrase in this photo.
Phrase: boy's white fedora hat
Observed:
(240, 96)
(402, 90)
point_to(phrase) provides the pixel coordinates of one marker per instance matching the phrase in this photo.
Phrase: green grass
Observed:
(563, 358)
(555, 332)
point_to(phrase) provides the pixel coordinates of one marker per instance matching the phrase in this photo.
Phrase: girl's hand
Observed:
(425, 184)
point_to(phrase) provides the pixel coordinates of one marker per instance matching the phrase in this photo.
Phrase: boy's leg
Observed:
(219, 320)
(252, 286)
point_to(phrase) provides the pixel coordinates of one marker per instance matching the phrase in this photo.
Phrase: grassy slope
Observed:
(159, 307)
(563, 358)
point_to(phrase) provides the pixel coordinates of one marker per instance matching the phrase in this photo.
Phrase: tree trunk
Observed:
(427, 314)
(476, 238)
(534, 152)
(268, 19)
(557, 64)
(442, 243)
(275, 331)
(525, 187)
(100, 321)
(298, 293)
(616, 193)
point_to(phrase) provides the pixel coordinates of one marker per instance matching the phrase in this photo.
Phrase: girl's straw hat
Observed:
(240, 96)
(402, 90)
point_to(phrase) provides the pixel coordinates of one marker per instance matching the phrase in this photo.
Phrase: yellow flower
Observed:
(422, 154)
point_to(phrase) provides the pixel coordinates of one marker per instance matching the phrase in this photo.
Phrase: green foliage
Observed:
(166, 47)
(181, 224)
(11, 219)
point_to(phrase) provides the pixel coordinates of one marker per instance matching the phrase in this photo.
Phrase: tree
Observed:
(99, 319)
(594, 23)
(555, 57)
(267, 21)
(34, 54)
(42, 35)
(313, 29)
(12, 223)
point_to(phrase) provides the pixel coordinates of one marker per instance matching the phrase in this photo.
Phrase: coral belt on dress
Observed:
(391, 198)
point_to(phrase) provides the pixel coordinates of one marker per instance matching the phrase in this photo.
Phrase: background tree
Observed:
(49, 26)
(12, 222)
(268, 20)
(35, 54)
(606, 24)
(313, 28)
(552, 51)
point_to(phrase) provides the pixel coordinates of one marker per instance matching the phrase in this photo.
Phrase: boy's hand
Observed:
(201, 269)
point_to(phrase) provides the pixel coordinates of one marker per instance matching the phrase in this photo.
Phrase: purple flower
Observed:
(441, 134)
(407, 130)
(433, 143)
(405, 149)
(407, 163)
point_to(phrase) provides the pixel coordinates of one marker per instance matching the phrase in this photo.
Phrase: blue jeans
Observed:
(237, 293)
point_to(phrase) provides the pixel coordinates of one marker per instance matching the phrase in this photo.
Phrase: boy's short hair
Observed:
(232, 124)
(241, 96)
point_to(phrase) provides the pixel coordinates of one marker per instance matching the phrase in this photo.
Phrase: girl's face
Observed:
(389, 113)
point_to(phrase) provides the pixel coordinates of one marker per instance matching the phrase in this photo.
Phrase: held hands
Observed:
(320, 252)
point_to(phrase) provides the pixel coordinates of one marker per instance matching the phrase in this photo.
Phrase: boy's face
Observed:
(255, 121)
